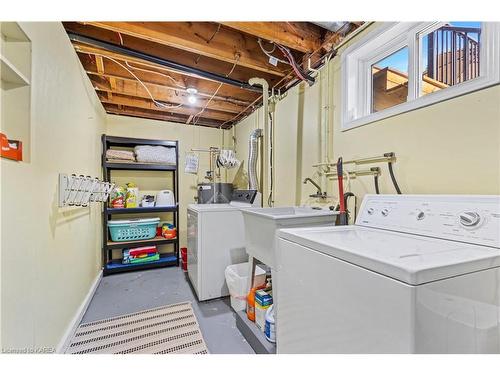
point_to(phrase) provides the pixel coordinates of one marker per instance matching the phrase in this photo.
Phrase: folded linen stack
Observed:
(143, 254)
(155, 154)
(120, 155)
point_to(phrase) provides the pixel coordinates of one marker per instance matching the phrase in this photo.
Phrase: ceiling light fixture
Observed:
(192, 94)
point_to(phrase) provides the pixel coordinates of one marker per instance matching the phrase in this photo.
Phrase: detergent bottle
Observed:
(251, 304)
(270, 327)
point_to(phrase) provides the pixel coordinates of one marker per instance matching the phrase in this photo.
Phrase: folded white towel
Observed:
(155, 154)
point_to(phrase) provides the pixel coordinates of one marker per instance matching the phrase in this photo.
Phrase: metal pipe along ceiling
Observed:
(163, 62)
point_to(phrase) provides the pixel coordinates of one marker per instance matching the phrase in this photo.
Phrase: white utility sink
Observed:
(261, 225)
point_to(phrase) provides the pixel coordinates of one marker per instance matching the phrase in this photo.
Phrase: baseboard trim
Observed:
(75, 322)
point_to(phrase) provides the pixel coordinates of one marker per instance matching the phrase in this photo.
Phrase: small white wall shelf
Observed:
(15, 85)
(10, 75)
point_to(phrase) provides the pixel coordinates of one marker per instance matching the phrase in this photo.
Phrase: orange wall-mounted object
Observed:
(11, 149)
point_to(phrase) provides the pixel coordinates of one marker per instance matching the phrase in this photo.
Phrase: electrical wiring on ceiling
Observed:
(290, 60)
(176, 83)
(157, 103)
(214, 34)
(326, 58)
(343, 31)
(159, 73)
(269, 53)
(304, 76)
(196, 117)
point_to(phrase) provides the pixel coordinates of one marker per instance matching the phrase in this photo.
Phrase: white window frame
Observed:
(357, 60)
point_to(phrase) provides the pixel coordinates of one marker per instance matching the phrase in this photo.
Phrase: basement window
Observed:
(403, 66)
(390, 81)
(450, 54)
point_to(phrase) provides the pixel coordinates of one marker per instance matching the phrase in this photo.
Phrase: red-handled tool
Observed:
(340, 179)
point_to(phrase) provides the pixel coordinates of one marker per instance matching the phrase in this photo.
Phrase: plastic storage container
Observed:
(237, 280)
(133, 229)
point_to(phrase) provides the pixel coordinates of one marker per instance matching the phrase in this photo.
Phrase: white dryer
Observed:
(215, 240)
(415, 274)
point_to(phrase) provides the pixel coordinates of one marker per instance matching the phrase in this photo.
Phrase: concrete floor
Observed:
(135, 291)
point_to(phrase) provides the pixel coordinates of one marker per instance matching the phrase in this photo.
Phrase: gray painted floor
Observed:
(135, 291)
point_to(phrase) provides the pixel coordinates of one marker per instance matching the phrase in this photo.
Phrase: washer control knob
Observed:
(370, 211)
(469, 218)
(384, 212)
(420, 215)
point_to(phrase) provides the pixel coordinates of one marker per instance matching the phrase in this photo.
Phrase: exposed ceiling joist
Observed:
(129, 54)
(186, 58)
(151, 74)
(156, 115)
(143, 103)
(300, 36)
(133, 88)
(232, 103)
(134, 66)
(99, 64)
(204, 38)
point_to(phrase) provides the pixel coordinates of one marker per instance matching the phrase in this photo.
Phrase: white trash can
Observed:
(237, 280)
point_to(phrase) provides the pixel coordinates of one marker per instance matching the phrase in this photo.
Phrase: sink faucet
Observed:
(319, 193)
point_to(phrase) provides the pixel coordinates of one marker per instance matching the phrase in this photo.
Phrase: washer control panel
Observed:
(465, 218)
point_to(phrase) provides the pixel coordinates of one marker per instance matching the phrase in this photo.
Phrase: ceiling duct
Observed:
(332, 26)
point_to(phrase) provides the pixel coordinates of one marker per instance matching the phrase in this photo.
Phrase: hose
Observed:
(346, 199)
(340, 180)
(393, 178)
(375, 180)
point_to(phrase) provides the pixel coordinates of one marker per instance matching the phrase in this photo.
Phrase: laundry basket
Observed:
(133, 229)
(237, 280)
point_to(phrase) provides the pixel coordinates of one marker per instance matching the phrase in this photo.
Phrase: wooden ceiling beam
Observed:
(99, 64)
(300, 36)
(148, 104)
(186, 58)
(149, 74)
(203, 38)
(134, 88)
(156, 115)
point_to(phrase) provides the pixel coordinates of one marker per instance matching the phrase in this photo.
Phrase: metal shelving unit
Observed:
(111, 265)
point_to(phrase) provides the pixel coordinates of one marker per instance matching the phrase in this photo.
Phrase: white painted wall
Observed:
(50, 256)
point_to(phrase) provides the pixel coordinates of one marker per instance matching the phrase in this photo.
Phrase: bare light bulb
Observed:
(192, 99)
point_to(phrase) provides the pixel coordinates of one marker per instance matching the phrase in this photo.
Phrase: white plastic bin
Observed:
(237, 281)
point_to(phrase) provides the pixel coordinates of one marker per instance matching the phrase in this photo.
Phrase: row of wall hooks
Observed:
(80, 190)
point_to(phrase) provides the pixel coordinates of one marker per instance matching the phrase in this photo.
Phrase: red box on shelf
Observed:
(11, 149)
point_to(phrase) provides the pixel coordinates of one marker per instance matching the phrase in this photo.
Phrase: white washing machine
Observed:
(415, 274)
(215, 240)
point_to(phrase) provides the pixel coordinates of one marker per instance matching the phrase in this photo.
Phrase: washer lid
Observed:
(408, 258)
(211, 207)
